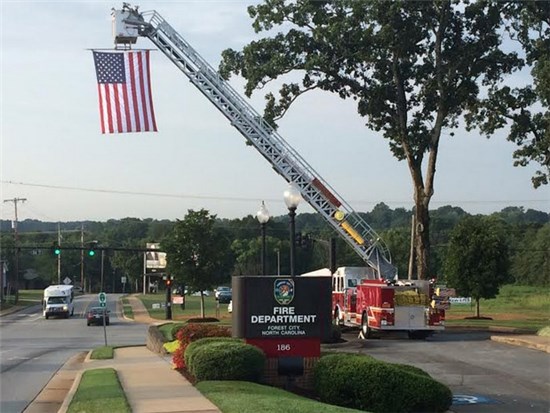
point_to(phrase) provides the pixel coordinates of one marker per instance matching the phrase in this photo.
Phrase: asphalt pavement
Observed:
(152, 385)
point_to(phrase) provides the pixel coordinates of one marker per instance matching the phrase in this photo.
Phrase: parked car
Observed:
(220, 289)
(206, 293)
(95, 316)
(224, 297)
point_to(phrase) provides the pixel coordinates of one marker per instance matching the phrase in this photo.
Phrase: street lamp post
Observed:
(292, 199)
(263, 216)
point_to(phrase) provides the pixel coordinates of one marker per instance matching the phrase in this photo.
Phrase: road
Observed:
(484, 375)
(32, 349)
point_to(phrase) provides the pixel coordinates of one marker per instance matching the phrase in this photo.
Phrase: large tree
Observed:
(524, 107)
(197, 252)
(414, 68)
(477, 261)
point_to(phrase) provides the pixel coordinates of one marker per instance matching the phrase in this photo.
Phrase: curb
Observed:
(72, 391)
(541, 345)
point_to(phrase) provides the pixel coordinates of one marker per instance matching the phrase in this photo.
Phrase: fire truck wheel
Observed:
(365, 329)
(336, 318)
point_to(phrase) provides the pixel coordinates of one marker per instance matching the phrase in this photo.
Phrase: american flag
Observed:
(124, 87)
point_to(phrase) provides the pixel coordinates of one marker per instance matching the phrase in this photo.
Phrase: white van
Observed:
(58, 300)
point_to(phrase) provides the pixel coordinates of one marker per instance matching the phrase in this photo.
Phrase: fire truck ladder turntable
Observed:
(283, 158)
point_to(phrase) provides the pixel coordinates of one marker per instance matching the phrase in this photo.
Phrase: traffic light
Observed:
(56, 249)
(91, 249)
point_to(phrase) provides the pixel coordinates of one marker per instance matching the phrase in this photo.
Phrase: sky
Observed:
(54, 156)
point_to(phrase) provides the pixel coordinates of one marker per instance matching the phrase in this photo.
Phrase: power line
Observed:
(247, 199)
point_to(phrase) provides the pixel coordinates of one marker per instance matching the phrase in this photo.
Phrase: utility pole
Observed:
(59, 256)
(82, 258)
(16, 237)
(102, 267)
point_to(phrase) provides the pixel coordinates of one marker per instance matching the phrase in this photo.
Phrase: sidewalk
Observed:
(148, 380)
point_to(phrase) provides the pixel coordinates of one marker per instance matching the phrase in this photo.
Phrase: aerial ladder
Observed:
(129, 24)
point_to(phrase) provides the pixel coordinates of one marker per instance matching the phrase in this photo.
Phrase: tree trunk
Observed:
(202, 305)
(477, 307)
(422, 235)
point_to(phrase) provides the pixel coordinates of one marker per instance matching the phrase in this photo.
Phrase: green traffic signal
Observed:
(56, 249)
(91, 248)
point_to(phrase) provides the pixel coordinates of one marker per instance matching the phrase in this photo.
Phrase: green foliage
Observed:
(191, 349)
(99, 391)
(170, 330)
(531, 264)
(198, 251)
(525, 107)
(378, 386)
(227, 361)
(527, 233)
(477, 261)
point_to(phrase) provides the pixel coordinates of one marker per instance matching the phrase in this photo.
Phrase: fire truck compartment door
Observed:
(409, 318)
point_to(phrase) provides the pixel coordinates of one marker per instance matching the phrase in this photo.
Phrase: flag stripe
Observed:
(151, 111)
(141, 83)
(124, 88)
(136, 120)
(117, 105)
(101, 114)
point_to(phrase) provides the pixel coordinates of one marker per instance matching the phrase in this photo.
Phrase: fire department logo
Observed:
(284, 291)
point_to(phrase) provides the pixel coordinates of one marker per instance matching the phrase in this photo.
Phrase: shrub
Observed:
(227, 361)
(192, 332)
(378, 386)
(192, 347)
(175, 328)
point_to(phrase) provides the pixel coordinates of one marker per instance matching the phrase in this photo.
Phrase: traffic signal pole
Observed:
(168, 279)
(168, 301)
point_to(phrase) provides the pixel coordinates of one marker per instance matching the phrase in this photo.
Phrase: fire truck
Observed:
(361, 299)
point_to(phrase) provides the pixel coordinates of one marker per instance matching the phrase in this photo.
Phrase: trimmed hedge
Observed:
(192, 347)
(193, 332)
(364, 383)
(225, 360)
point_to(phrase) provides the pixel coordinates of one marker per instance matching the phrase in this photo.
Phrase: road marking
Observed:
(471, 399)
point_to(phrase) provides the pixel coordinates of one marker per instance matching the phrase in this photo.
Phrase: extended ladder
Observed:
(283, 158)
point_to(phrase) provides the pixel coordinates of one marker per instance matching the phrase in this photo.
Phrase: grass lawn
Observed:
(27, 298)
(192, 308)
(103, 353)
(245, 397)
(127, 308)
(99, 391)
(515, 306)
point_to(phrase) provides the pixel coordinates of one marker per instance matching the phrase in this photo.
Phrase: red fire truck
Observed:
(361, 299)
